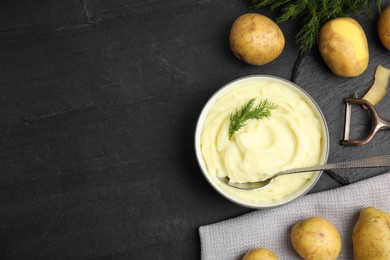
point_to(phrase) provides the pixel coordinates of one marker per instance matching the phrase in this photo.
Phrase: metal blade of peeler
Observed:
(347, 122)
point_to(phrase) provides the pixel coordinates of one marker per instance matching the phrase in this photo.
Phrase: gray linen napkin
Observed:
(270, 228)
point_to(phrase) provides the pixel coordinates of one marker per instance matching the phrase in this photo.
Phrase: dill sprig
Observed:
(314, 13)
(247, 111)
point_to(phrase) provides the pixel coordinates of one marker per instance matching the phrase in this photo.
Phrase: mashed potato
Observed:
(291, 137)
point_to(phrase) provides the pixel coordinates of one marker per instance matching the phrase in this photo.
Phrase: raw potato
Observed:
(378, 90)
(260, 254)
(383, 27)
(343, 46)
(256, 39)
(371, 235)
(316, 238)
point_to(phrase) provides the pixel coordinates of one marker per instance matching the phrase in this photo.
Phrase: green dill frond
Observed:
(307, 37)
(314, 13)
(246, 112)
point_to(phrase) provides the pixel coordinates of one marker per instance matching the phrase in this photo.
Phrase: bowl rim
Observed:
(199, 127)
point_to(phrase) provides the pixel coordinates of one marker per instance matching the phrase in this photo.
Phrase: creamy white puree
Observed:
(289, 138)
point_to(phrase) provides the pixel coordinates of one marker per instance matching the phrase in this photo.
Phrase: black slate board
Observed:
(329, 91)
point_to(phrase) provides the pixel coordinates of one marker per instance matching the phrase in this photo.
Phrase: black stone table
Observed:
(98, 106)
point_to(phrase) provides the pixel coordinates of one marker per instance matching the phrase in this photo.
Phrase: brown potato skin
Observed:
(316, 238)
(371, 235)
(383, 27)
(260, 254)
(337, 51)
(256, 39)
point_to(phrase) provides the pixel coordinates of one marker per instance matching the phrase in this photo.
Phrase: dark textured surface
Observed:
(99, 101)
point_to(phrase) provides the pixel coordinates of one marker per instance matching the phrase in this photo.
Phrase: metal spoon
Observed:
(370, 162)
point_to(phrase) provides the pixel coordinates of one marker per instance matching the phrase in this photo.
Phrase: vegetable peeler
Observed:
(377, 123)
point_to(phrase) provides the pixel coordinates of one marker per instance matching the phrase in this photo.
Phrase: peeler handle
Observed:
(384, 124)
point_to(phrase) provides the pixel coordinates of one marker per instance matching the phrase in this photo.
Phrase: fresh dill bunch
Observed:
(247, 111)
(313, 14)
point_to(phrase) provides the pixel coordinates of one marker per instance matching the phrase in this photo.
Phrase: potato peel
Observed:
(378, 90)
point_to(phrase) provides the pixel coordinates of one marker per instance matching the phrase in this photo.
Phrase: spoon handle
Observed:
(370, 162)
